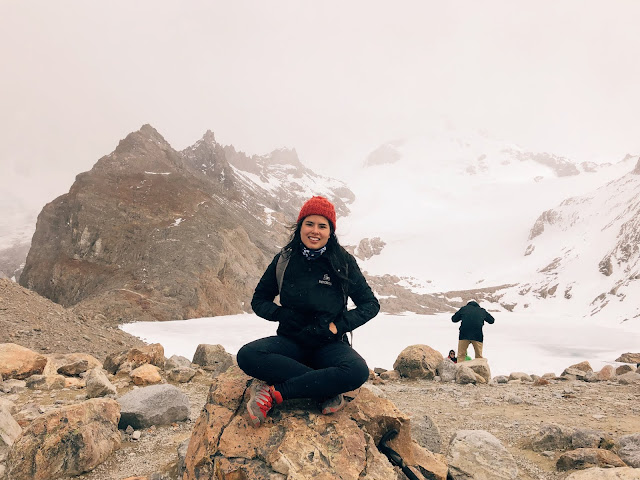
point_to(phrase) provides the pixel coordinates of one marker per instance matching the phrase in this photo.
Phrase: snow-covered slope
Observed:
(586, 252)
(456, 211)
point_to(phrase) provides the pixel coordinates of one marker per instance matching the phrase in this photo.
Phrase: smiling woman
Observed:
(309, 357)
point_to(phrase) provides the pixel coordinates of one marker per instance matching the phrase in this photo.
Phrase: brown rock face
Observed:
(67, 441)
(20, 362)
(150, 233)
(297, 441)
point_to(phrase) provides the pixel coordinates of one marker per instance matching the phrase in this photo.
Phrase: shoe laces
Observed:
(264, 400)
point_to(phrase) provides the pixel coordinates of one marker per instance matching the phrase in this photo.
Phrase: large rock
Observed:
(606, 373)
(46, 382)
(623, 473)
(622, 369)
(582, 458)
(629, 358)
(153, 405)
(446, 370)
(521, 376)
(9, 428)
(129, 360)
(630, 449)
(176, 361)
(98, 385)
(629, 378)
(181, 374)
(464, 375)
(426, 433)
(583, 366)
(19, 362)
(146, 375)
(418, 361)
(587, 438)
(476, 454)
(66, 441)
(551, 437)
(70, 363)
(297, 442)
(480, 366)
(213, 358)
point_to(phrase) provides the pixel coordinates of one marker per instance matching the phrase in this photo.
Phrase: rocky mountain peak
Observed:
(141, 151)
(152, 233)
(636, 171)
(285, 156)
(209, 137)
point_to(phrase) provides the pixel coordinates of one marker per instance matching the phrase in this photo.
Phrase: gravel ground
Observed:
(514, 412)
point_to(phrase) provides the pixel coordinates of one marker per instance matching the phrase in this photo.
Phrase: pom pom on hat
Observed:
(318, 206)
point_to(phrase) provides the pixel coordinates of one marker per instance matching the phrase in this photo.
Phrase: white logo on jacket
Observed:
(326, 280)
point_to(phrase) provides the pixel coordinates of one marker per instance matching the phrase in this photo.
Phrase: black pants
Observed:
(302, 372)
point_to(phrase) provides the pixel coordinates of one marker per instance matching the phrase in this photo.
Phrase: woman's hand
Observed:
(333, 328)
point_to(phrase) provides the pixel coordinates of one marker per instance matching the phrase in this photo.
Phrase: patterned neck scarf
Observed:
(312, 254)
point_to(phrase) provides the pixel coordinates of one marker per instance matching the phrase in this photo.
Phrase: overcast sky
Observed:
(332, 79)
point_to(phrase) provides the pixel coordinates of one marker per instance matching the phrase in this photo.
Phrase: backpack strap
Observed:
(281, 266)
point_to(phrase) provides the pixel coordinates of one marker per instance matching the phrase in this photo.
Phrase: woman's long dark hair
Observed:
(336, 253)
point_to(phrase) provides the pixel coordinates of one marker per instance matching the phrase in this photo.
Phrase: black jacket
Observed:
(473, 317)
(312, 296)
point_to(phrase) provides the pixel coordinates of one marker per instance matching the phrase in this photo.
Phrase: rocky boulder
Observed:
(181, 374)
(19, 362)
(418, 361)
(177, 361)
(622, 369)
(153, 405)
(480, 367)
(66, 441)
(213, 358)
(630, 450)
(629, 378)
(133, 358)
(98, 385)
(464, 375)
(622, 473)
(550, 437)
(629, 358)
(478, 455)
(521, 376)
(9, 428)
(45, 382)
(582, 458)
(146, 375)
(583, 366)
(446, 370)
(606, 373)
(70, 364)
(298, 442)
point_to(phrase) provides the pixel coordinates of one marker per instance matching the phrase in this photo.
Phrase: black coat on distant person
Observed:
(313, 296)
(472, 317)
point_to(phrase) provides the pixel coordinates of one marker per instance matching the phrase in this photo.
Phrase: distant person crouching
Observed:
(452, 356)
(472, 317)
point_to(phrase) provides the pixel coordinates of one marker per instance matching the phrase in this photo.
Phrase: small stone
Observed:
(136, 435)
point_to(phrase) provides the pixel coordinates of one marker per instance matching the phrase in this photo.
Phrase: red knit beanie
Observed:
(319, 206)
